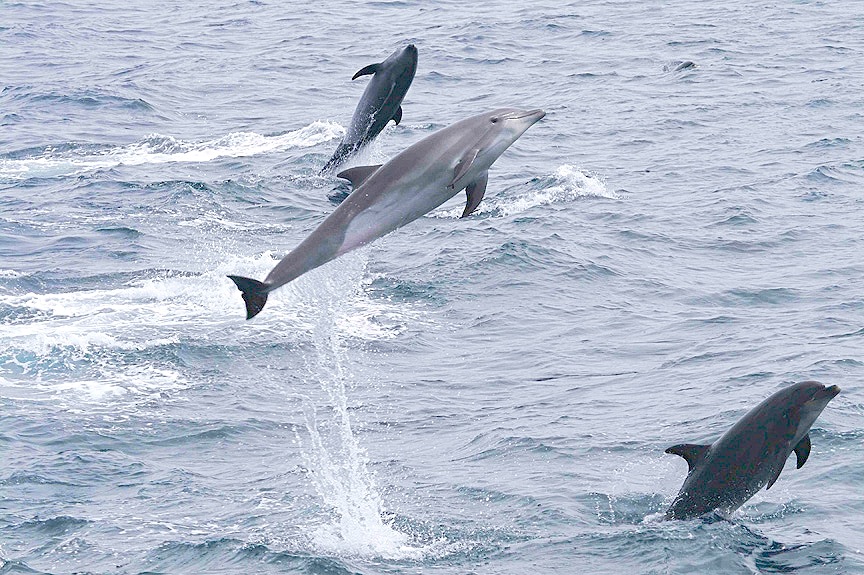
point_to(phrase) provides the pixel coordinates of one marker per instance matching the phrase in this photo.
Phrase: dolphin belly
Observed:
(400, 206)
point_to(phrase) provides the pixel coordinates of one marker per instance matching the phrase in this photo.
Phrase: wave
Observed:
(88, 342)
(86, 98)
(11, 274)
(566, 184)
(67, 160)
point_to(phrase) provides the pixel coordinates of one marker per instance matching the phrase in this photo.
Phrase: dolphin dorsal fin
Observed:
(691, 452)
(370, 69)
(358, 174)
(802, 451)
(397, 117)
(474, 191)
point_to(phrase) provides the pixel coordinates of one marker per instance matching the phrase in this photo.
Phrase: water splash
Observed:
(10, 274)
(79, 342)
(338, 465)
(63, 342)
(158, 149)
(566, 184)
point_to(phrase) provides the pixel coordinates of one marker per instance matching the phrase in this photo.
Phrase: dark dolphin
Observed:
(414, 182)
(380, 103)
(751, 454)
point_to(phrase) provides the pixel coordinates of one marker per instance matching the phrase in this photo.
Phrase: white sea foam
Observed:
(90, 332)
(105, 380)
(122, 317)
(158, 149)
(357, 316)
(566, 184)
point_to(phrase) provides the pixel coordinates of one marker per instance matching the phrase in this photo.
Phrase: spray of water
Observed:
(567, 184)
(337, 463)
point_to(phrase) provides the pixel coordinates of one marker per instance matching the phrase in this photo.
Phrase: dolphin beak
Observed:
(830, 392)
(536, 115)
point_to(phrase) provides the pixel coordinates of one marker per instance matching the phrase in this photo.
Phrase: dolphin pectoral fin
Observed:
(397, 117)
(463, 166)
(370, 69)
(691, 452)
(475, 191)
(775, 476)
(254, 294)
(358, 174)
(802, 451)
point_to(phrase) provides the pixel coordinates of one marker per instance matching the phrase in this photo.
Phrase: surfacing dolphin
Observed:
(380, 103)
(751, 454)
(387, 197)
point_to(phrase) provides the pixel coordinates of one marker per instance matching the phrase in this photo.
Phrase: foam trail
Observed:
(63, 343)
(157, 149)
(338, 464)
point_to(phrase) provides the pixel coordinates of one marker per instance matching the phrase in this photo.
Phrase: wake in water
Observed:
(156, 149)
(81, 339)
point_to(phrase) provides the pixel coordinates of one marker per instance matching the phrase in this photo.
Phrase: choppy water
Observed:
(677, 239)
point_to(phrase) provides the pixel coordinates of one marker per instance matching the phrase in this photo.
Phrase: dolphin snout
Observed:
(536, 115)
(831, 392)
(409, 55)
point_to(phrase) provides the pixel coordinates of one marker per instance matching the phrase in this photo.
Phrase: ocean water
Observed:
(680, 237)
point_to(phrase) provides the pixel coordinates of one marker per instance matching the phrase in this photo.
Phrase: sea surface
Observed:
(681, 236)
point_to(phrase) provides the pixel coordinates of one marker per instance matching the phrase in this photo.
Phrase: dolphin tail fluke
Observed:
(254, 294)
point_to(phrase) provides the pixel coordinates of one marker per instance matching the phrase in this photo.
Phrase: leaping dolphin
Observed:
(413, 183)
(751, 454)
(380, 103)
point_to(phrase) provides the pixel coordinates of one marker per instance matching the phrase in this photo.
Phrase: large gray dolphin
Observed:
(751, 454)
(380, 103)
(416, 181)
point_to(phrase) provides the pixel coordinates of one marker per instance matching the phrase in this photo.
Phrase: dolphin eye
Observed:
(494, 119)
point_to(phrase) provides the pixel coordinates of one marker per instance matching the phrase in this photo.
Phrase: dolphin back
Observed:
(752, 453)
(380, 103)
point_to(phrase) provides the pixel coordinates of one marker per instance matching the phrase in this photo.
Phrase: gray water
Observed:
(679, 238)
